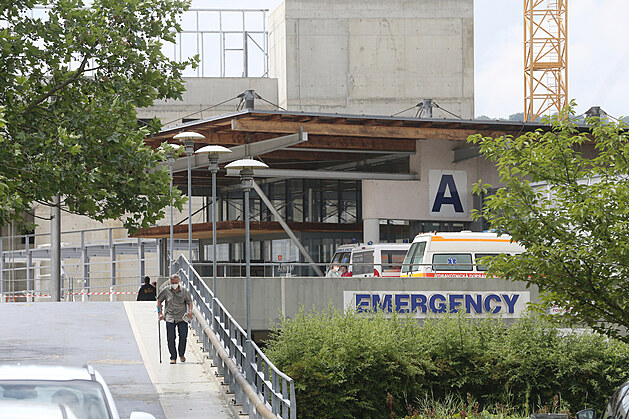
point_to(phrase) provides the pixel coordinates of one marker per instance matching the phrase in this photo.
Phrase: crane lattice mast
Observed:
(545, 57)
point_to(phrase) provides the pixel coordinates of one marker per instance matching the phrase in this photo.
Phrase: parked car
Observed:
(81, 391)
(33, 410)
(616, 408)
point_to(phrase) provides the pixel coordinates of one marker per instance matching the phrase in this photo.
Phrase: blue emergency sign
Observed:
(438, 302)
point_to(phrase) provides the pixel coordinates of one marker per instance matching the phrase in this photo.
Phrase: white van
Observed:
(363, 260)
(434, 255)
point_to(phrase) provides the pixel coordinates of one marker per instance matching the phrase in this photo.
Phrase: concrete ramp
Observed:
(121, 341)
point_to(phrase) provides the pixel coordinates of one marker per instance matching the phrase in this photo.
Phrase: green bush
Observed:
(349, 365)
(345, 365)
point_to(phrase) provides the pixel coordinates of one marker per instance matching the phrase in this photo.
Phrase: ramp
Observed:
(121, 341)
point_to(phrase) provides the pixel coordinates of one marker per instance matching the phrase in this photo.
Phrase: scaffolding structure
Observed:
(545, 57)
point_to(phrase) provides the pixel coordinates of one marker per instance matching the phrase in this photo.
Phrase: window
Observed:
(479, 265)
(362, 264)
(452, 262)
(414, 257)
(341, 258)
(392, 260)
(84, 398)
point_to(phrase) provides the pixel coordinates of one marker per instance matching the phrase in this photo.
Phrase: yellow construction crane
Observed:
(545, 57)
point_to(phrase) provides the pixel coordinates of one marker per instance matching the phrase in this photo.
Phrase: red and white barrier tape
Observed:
(14, 296)
(102, 293)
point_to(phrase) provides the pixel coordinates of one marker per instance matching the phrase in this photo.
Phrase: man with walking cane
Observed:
(176, 313)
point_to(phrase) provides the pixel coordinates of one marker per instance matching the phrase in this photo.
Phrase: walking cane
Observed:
(159, 339)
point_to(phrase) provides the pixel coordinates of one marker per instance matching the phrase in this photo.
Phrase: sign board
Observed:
(422, 304)
(448, 193)
(284, 250)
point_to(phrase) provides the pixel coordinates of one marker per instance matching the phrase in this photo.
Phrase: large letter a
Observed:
(447, 181)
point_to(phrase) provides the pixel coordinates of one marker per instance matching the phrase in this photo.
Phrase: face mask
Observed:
(174, 286)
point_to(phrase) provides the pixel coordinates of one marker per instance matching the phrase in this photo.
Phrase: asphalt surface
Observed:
(121, 341)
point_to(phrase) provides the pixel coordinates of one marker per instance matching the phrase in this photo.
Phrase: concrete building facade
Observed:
(373, 56)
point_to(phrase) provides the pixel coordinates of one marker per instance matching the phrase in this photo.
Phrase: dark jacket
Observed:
(146, 293)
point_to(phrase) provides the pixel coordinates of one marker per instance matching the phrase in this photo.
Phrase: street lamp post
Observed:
(246, 167)
(171, 160)
(188, 139)
(213, 154)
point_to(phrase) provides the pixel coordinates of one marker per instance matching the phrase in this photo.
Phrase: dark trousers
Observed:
(182, 330)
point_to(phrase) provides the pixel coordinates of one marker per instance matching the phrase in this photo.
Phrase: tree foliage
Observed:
(565, 197)
(71, 77)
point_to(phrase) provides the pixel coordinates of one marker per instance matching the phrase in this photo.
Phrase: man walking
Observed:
(146, 291)
(178, 308)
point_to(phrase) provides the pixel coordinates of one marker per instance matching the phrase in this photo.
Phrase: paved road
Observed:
(119, 340)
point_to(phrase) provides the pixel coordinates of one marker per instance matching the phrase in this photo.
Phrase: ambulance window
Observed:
(392, 260)
(452, 262)
(414, 257)
(479, 265)
(341, 257)
(362, 263)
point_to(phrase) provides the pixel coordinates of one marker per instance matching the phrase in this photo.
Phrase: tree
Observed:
(575, 227)
(70, 79)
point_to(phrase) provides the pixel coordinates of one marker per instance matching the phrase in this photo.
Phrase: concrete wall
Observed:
(373, 56)
(273, 297)
(204, 92)
(415, 199)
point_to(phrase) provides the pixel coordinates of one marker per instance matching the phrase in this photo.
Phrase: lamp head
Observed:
(213, 152)
(188, 138)
(213, 149)
(244, 164)
(246, 167)
(173, 150)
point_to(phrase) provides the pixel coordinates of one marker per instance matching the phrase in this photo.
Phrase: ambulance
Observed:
(365, 260)
(454, 255)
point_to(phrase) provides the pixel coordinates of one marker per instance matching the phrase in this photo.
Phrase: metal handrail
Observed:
(258, 385)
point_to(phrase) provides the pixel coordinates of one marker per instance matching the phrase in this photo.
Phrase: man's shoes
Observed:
(173, 361)
(182, 358)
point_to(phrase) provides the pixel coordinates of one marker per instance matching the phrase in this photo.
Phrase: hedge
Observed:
(349, 365)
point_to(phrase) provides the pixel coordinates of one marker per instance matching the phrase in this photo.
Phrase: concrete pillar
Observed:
(85, 263)
(112, 262)
(371, 230)
(162, 257)
(30, 285)
(55, 249)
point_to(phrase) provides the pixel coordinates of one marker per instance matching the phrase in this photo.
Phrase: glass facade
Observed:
(303, 201)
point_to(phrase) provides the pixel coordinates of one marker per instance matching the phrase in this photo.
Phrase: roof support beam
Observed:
(326, 174)
(358, 130)
(242, 151)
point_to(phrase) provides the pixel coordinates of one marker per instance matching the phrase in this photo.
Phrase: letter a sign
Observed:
(448, 193)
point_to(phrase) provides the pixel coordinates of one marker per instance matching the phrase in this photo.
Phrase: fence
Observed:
(261, 389)
(97, 264)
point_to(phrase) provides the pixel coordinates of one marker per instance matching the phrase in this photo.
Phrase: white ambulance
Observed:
(363, 260)
(450, 255)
